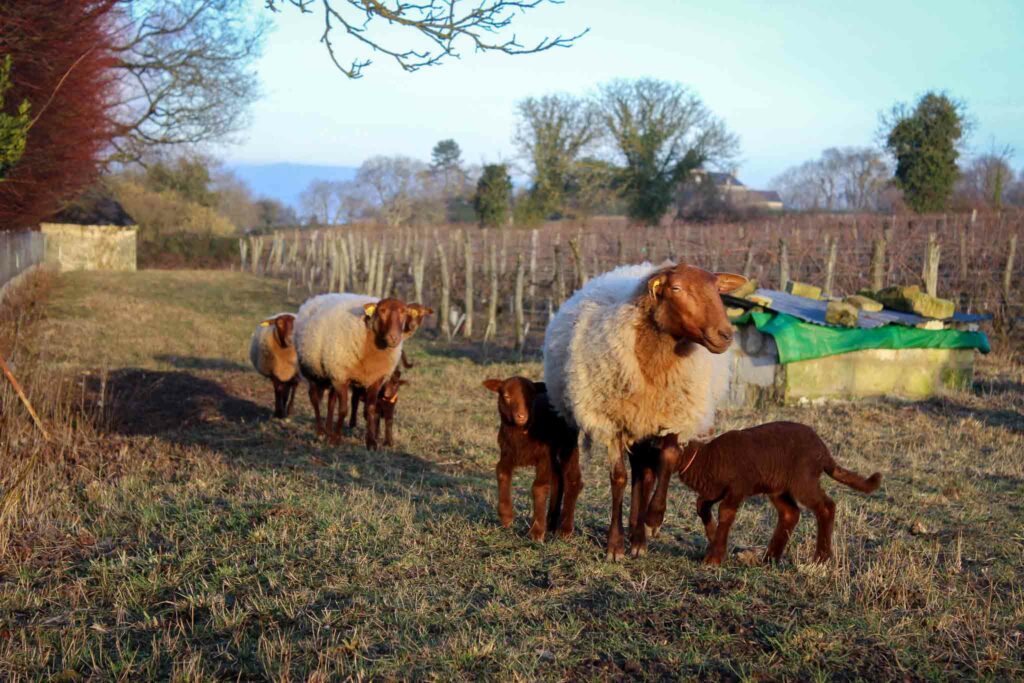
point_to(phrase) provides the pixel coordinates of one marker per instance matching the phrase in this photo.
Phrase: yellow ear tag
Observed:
(656, 286)
(370, 308)
(265, 323)
(414, 312)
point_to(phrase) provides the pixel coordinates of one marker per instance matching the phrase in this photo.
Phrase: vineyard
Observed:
(504, 284)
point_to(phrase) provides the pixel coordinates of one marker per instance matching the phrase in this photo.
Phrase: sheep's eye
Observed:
(676, 288)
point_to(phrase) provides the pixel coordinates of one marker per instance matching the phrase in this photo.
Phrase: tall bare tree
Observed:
(188, 72)
(847, 178)
(436, 26)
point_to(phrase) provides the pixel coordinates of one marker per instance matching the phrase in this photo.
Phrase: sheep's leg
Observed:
(667, 463)
(332, 398)
(704, 510)
(617, 475)
(357, 395)
(315, 395)
(572, 482)
(292, 387)
(789, 515)
(280, 398)
(541, 489)
(505, 512)
(726, 516)
(371, 414)
(341, 391)
(388, 421)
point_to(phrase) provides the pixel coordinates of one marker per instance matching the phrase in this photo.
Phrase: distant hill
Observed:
(286, 181)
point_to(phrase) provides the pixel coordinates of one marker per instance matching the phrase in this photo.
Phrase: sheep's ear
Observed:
(425, 311)
(283, 326)
(656, 284)
(413, 311)
(402, 382)
(729, 281)
(369, 309)
(267, 323)
(540, 387)
(493, 384)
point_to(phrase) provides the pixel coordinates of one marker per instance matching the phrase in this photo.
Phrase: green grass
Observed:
(188, 536)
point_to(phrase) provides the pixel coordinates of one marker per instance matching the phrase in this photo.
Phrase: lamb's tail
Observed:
(405, 361)
(852, 479)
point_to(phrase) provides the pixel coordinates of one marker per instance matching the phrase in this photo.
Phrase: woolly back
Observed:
(331, 336)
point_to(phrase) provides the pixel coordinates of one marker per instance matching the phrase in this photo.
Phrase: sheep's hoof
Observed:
(713, 561)
(652, 531)
(565, 533)
(615, 555)
(638, 550)
(536, 535)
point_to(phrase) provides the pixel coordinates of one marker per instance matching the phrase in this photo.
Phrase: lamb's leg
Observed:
(726, 515)
(572, 482)
(372, 415)
(555, 495)
(388, 441)
(342, 391)
(789, 515)
(505, 512)
(667, 462)
(617, 475)
(826, 514)
(315, 395)
(704, 509)
(642, 475)
(541, 489)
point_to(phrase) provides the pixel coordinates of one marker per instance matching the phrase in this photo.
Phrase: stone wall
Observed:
(90, 247)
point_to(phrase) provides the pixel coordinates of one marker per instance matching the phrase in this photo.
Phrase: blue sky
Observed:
(789, 77)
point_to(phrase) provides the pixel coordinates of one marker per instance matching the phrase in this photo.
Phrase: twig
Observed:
(21, 394)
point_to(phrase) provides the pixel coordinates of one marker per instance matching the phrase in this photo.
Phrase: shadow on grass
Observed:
(147, 402)
(186, 410)
(948, 407)
(197, 363)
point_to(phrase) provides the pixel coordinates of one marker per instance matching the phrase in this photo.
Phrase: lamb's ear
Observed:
(369, 309)
(402, 382)
(656, 284)
(729, 281)
(425, 311)
(493, 384)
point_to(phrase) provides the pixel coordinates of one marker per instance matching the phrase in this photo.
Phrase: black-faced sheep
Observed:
(272, 353)
(633, 354)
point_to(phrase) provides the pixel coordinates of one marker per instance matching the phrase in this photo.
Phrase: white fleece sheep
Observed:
(334, 344)
(594, 377)
(267, 355)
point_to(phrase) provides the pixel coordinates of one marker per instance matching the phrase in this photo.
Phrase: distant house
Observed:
(707, 191)
(93, 233)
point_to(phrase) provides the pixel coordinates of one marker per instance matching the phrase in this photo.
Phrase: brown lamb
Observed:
(783, 460)
(387, 400)
(533, 435)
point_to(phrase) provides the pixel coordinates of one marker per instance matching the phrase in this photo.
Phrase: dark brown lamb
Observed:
(783, 460)
(533, 435)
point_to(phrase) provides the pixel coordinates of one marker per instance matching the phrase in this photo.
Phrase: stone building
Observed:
(94, 233)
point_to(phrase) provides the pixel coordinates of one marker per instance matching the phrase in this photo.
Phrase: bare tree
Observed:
(188, 74)
(848, 178)
(321, 202)
(987, 178)
(437, 24)
(393, 184)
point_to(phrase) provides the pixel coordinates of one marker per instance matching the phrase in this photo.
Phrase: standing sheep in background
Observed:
(349, 338)
(273, 355)
(634, 354)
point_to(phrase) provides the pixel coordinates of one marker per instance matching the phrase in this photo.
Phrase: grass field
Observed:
(176, 531)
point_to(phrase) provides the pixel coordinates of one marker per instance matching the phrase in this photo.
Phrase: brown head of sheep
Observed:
(684, 301)
(387, 320)
(416, 315)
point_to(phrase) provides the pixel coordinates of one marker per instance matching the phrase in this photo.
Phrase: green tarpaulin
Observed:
(798, 340)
